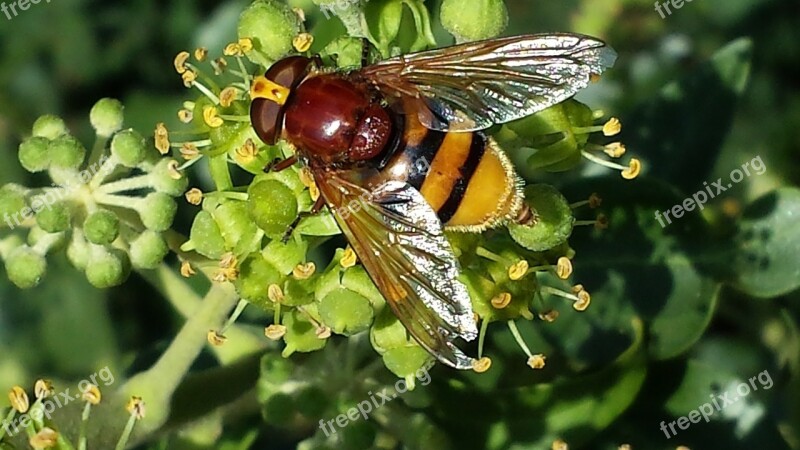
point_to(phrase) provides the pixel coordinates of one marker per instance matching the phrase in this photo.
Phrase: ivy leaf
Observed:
(533, 416)
(638, 262)
(683, 129)
(768, 242)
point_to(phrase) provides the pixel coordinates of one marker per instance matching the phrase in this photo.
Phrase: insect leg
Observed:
(314, 211)
(365, 52)
(278, 165)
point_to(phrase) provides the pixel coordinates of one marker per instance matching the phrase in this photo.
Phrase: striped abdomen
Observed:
(465, 177)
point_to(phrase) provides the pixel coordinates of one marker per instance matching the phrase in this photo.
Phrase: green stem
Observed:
(186, 301)
(512, 326)
(126, 184)
(98, 149)
(126, 433)
(204, 392)
(105, 170)
(47, 242)
(157, 384)
(9, 418)
(220, 173)
(84, 420)
(122, 201)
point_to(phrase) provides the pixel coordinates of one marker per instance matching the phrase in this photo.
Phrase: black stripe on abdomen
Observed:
(476, 151)
(421, 157)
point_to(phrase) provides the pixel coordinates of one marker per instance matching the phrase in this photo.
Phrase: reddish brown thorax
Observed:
(331, 118)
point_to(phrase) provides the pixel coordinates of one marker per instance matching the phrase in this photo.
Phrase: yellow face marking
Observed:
(264, 88)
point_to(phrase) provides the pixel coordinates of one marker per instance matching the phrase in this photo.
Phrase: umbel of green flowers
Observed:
(107, 209)
(111, 209)
(508, 272)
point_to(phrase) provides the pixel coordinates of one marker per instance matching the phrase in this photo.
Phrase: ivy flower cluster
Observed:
(35, 418)
(118, 213)
(510, 275)
(107, 208)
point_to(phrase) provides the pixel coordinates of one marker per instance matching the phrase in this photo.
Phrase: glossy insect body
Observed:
(398, 153)
(464, 176)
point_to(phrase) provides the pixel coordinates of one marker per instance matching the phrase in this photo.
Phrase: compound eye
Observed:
(289, 72)
(265, 114)
(267, 117)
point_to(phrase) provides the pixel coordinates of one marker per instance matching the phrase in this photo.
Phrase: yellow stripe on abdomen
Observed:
(445, 169)
(492, 195)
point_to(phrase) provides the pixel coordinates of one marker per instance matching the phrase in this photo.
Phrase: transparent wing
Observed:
(473, 86)
(399, 240)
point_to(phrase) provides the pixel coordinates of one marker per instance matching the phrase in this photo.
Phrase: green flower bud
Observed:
(357, 280)
(238, 229)
(34, 155)
(387, 332)
(359, 435)
(401, 354)
(347, 50)
(274, 371)
(406, 361)
(474, 20)
(554, 224)
(278, 409)
(54, 218)
(35, 234)
(129, 147)
(514, 296)
(49, 127)
(25, 267)
(106, 116)
(312, 402)
(298, 292)
(164, 182)
(346, 312)
(107, 267)
(78, 250)
(101, 227)
(272, 26)
(552, 132)
(255, 277)
(148, 250)
(286, 256)
(66, 152)
(273, 206)
(12, 202)
(158, 211)
(206, 237)
(301, 334)
(229, 136)
(384, 19)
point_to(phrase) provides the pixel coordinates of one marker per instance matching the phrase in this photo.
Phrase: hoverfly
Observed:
(363, 134)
